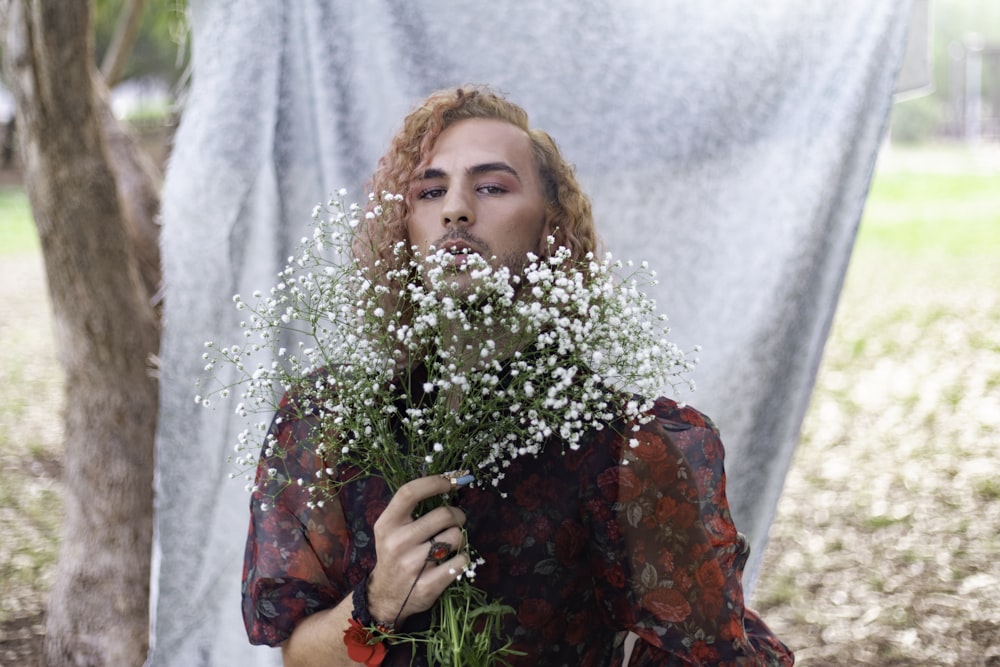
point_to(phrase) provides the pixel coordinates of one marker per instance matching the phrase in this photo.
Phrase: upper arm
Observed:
(296, 542)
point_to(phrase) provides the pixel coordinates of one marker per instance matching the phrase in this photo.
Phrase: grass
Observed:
(958, 215)
(17, 231)
(884, 548)
(934, 204)
(30, 435)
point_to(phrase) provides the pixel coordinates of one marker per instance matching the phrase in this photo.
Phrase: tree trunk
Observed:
(107, 330)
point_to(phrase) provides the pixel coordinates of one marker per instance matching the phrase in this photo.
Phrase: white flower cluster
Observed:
(437, 363)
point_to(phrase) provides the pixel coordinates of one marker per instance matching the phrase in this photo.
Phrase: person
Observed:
(585, 546)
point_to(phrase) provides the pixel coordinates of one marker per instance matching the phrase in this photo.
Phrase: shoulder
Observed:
(674, 416)
(691, 431)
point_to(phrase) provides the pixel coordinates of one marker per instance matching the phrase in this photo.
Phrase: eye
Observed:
(492, 189)
(431, 193)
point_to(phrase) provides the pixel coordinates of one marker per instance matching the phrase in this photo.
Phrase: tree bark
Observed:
(107, 330)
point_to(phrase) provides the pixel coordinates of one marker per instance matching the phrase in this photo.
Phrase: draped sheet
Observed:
(728, 143)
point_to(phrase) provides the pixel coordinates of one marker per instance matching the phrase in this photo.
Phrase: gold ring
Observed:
(454, 475)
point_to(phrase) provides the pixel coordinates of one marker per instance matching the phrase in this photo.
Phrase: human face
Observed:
(478, 191)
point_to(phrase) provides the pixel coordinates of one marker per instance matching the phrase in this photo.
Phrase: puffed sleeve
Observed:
(670, 537)
(293, 565)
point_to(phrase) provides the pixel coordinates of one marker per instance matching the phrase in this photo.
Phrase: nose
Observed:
(457, 209)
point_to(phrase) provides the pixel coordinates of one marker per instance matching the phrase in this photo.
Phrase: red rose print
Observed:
(638, 552)
(701, 550)
(664, 473)
(555, 629)
(534, 613)
(570, 541)
(374, 509)
(578, 628)
(733, 629)
(615, 576)
(599, 509)
(709, 575)
(530, 493)
(705, 653)
(666, 562)
(366, 561)
(682, 580)
(574, 542)
(711, 601)
(704, 477)
(541, 529)
(671, 512)
(629, 484)
(719, 529)
(693, 417)
(667, 604)
(614, 529)
(650, 449)
(517, 568)
(713, 449)
(607, 482)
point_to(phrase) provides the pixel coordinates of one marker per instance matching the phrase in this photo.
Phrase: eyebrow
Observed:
(484, 168)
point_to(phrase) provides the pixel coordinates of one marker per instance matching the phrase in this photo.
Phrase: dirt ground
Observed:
(885, 547)
(30, 442)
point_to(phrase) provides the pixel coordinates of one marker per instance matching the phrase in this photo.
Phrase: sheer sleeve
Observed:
(295, 551)
(675, 558)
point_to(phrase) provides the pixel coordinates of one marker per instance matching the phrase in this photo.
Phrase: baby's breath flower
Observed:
(510, 360)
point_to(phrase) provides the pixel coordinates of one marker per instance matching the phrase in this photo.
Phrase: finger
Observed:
(405, 500)
(444, 545)
(432, 582)
(428, 585)
(436, 521)
(440, 577)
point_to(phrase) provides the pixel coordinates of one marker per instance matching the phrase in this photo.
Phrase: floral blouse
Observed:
(585, 546)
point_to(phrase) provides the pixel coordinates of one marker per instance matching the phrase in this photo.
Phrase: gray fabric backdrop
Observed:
(729, 143)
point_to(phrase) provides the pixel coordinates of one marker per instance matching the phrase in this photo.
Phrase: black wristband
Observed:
(361, 613)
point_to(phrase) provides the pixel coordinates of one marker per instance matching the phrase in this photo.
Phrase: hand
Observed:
(402, 545)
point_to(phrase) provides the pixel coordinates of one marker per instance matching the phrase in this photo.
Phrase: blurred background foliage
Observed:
(161, 48)
(962, 31)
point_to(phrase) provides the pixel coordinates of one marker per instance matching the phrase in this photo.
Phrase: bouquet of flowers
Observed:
(427, 365)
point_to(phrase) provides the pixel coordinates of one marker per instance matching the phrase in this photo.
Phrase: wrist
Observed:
(365, 637)
(366, 614)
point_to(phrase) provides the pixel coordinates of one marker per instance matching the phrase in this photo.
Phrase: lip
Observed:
(458, 248)
(457, 253)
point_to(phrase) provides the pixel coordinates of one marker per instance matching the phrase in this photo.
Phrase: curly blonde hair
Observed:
(567, 208)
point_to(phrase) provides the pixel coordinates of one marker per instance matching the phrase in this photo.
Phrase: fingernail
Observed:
(465, 480)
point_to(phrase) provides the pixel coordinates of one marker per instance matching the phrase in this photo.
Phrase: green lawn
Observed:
(933, 213)
(17, 232)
